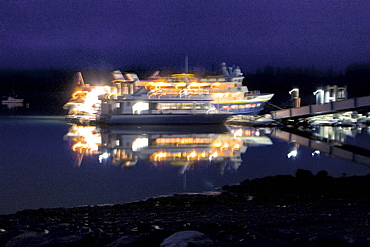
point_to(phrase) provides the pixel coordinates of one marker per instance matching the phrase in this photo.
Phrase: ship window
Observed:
(341, 94)
(187, 106)
(332, 93)
(201, 106)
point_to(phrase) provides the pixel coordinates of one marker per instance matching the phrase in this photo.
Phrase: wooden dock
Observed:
(354, 104)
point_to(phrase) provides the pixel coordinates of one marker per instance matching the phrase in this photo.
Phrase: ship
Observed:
(173, 99)
(12, 102)
(12, 99)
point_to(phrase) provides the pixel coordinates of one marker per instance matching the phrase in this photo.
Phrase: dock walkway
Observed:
(353, 104)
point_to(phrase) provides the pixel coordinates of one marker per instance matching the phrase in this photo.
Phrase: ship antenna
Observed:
(186, 64)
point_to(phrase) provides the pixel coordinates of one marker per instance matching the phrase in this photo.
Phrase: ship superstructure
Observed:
(168, 99)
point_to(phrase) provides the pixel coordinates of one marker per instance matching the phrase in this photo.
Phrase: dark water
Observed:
(39, 169)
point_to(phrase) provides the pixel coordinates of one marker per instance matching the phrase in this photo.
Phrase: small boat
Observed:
(12, 99)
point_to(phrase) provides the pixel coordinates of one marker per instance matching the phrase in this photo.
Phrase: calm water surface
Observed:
(46, 163)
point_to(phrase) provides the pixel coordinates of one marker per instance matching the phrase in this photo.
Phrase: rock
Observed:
(187, 238)
(26, 239)
(67, 239)
(303, 175)
(128, 240)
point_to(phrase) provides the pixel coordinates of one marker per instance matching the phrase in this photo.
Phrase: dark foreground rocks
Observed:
(304, 210)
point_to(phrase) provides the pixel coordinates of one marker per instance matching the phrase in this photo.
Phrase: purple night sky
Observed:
(251, 34)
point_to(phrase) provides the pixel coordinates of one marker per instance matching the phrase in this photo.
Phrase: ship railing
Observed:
(252, 93)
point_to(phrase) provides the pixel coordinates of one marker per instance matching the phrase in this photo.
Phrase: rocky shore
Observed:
(300, 210)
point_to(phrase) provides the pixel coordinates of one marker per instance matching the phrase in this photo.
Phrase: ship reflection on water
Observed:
(182, 146)
(190, 146)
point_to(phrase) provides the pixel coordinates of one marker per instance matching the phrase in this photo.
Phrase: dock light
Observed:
(292, 154)
(318, 91)
(293, 90)
(320, 96)
(296, 100)
(103, 156)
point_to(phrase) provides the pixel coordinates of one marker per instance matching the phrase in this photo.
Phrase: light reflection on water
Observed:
(47, 163)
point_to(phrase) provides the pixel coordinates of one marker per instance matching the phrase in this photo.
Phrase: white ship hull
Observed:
(12, 100)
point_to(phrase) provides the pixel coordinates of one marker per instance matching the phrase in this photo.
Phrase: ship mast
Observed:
(186, 64)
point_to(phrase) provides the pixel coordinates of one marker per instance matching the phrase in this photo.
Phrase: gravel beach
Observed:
(300, 210)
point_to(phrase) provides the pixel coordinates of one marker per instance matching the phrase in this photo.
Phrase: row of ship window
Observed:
(241, 106)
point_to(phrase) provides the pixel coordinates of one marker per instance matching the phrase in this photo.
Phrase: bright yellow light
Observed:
(198, 85)
(219, 96)
(78, 94)
(86, 139)
(225, 146)
(236, 147)
(162, 84)
(182, 75)
(79, 146)
(217, 143)
(159, 156)
(150, 84)
(110, 95)
(193, 154)
(89, 99)
(237, 94)
(217, 84)
(180, 84)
